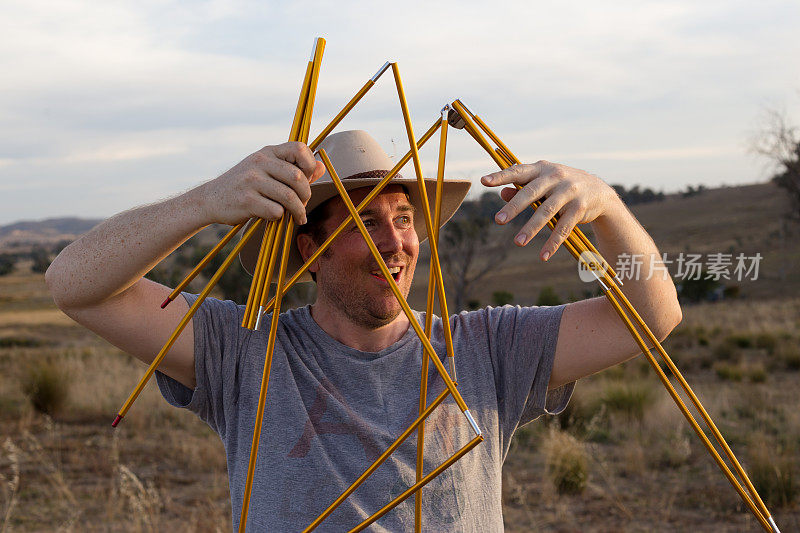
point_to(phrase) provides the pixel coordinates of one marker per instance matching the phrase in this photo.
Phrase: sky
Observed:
(109, 105)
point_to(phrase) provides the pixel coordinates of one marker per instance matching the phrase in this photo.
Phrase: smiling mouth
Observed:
(394, 271)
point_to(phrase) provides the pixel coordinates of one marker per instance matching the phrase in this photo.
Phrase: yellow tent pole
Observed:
(396, 290)
(432, 285)
(184, 321)
(267, 242)
(202, 264)
(419, 484)
(346, 109)
(613, 292)
(379, 461)
(371, 196)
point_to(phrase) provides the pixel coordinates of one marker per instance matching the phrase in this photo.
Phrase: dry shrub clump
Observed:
(46, 385)
(789, 354)
(566, 462)
(143, 499)
(772, 472)
(729, 372)
(755, 373)
(631, 399)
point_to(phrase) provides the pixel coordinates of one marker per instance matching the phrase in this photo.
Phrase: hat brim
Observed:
(453, 193)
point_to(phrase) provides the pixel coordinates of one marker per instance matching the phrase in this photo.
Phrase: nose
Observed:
(388, 239)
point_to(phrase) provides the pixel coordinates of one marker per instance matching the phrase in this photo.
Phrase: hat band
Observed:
(371, 175)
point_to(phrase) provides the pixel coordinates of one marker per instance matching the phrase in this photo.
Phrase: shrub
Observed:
(729, 372)
(740, 341)
(630, 399)
(41, 260)
(566, 463)
(766, 341)
(47, 386)
(790, 355)
(580, 414)
(672, 451)
(724, 351)
(697, 290)
(772, 475)
(7, 264)
(23, 342)
(731, 291)
(548, 296)
(501, 298)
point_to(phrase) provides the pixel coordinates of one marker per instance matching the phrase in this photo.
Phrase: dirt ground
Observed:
(620, 459)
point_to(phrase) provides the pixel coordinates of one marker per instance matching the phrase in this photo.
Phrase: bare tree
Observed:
(471, 245)
(779, 141)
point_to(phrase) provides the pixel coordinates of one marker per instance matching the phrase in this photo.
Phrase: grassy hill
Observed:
(745, 219)
(621, 458)
(732, 220)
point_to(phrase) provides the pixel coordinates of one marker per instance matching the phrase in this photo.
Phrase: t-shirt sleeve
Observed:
(216, 340)
(522, 346)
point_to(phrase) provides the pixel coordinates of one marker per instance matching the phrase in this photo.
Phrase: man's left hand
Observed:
(576, 196)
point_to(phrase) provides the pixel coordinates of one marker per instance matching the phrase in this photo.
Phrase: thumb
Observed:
(318, 172)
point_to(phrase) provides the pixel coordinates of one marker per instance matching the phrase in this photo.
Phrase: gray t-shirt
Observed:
(331, 410)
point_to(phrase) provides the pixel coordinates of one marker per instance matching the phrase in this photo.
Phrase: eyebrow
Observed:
(407, 208)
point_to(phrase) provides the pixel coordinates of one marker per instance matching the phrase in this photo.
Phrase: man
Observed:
(345, 374)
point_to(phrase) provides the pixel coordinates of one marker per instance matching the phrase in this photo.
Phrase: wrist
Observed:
(190, 208)
(614, 214)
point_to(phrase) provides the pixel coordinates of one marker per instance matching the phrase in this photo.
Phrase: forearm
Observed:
(648, 285)
(117, 253)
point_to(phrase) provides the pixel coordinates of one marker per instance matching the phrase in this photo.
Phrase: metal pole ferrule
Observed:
(380, 72)
(472, 423)
(258, 317)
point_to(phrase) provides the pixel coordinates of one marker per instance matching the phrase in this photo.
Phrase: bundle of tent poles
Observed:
(274, 252)
(582, 250)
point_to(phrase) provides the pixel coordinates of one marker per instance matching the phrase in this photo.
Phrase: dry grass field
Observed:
(729, 220)
(620, 459)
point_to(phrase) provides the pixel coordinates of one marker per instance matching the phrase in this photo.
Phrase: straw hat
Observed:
(360, 162)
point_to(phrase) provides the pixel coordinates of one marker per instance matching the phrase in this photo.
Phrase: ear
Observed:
(307, 246)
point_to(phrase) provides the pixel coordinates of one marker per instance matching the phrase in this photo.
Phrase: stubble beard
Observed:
(359, 305)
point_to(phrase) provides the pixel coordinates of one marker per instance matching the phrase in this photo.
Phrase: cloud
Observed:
(154, 96)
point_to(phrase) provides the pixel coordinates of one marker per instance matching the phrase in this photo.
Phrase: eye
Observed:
(404, 220)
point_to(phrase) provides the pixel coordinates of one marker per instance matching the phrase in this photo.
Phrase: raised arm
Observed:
(591, 336)
(98, 279)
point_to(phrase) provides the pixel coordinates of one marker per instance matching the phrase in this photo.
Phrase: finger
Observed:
(290, 175)
(530, 193)
(299, 154)
(520, 174)
(549, 208)
(566, 223)
(265, 208)
(507, 193)
(286, 197)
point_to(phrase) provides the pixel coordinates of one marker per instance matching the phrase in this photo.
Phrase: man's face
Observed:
(348, 276)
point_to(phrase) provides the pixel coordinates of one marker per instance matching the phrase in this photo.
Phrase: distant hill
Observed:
(44, 232)
(745, 219)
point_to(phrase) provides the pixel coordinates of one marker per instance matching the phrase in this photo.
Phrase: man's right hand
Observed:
(263, 185)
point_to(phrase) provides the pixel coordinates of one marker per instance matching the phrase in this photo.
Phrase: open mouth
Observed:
(394, 271)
